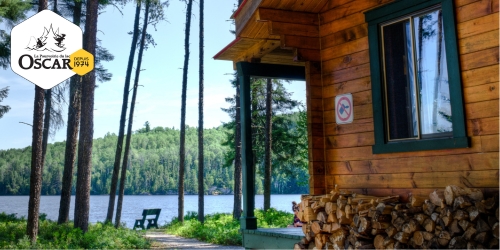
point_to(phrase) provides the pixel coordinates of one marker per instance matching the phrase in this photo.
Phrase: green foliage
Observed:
(289, 137)
(51, 235)
(223, 229)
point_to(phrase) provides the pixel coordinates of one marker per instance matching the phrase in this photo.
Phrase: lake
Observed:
(134, 204)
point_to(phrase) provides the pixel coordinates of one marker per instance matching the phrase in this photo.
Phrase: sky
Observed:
(159, 97)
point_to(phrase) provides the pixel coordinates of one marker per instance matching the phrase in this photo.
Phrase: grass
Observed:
(222, 229)
(51, 235)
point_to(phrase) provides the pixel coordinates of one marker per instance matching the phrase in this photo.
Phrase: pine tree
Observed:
(201, 191)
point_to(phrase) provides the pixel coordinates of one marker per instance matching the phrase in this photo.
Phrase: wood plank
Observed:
(258, 50)
(489, 143)
(479, 59)
(306, 55)
(484, 126)
(486, 178)
(345, 49)
(480, 76)
(350, 140)
(481, 109)
(475, 10)
(341, 24)
(357, 126)
(365, 153)
(318, 142)
(459, 3)
(477, 26)
(316, 129)
(279, 28)
(346, 61)
(441, 163)
(316, 104)
(359, 98)
(318, 154)
(404, 194)
(315, 116)
(313, 68)
(244, 15)
(360, 112)
(302, 42)
(350, 8)
(313, 80)
(343, 36)
(318, 168)
(279, 15)
(481, 93)
(479, 42)
(333, 4)
(351, 73)
(314, 91)
(353, 86)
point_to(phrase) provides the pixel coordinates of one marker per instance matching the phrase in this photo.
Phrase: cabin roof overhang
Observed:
(275, 32)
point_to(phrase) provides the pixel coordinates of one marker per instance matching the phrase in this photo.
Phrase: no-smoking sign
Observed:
(344, 110)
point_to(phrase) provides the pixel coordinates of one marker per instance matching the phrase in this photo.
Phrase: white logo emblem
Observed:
(41, 47)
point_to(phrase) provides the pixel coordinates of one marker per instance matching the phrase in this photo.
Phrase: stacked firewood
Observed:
(453, 218)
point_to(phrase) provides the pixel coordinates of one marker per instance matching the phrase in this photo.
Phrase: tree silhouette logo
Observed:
(50, 40)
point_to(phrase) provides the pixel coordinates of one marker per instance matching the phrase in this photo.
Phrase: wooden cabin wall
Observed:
(349, 161)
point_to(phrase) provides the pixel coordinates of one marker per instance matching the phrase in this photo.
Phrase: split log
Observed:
(470, 233)
(416, 201)
(454, 228)
(460, 214)
(493, 244)
(473, 212)
(320, 240)
(316, 227)
(398, 223)
(364, 225)
(402, 237)
(437, 198)
(391, 231)
(444, 238)
(465, 224)
(309, 214)
(429, 225)
(446, 221)
(322, 216)
(489, 203)
(411, 226)
(491, 221)
(378, 242)
(495, 230)
(421, 218)
(457, 243)
(330, 207)
(461, 202)
(482, 226)
(483, 237)
(428, 207)
(389, 242)
(380, 225)
(332, 218)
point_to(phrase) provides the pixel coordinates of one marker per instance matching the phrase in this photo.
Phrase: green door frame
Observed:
(245, 71)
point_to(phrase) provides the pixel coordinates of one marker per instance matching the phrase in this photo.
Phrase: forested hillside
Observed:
(153, 167)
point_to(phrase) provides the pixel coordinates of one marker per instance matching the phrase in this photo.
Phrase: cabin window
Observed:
(416, 84)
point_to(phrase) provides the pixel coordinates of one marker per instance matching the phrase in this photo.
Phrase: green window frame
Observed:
(395, 11)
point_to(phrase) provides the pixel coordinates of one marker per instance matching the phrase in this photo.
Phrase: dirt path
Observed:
(167, 241)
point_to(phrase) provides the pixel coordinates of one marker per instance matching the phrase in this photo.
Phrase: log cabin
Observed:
(421, 78)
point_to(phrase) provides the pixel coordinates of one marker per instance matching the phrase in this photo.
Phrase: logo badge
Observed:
(45, 47)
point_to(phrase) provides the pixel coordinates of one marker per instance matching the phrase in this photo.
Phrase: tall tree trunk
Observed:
(119, 144)
(82, 199)
(75, 90)
(237, 158)
(269, 138)
(36, 157)
(131, 118)
(182, 151)
(201, 187)
(46, 123)
(438, 66)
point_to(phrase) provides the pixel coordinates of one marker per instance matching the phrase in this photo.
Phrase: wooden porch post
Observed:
(247, 220)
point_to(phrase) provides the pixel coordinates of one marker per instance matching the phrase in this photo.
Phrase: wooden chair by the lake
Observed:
(152, 222)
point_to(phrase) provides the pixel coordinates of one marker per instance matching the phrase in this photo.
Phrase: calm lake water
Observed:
(134, 204)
